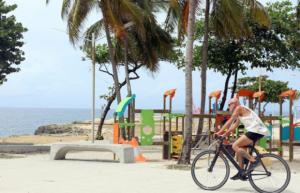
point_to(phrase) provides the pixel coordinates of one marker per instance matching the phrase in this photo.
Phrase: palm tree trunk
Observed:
(112, 58)
(225, 90)
(129, 93)
(234, 82)
(203, 70)
(108, 105)
(186, 149)
(103, 116)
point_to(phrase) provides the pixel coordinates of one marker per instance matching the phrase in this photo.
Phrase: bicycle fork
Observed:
(213, 161)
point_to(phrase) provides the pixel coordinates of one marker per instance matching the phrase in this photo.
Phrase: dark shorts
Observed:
(254, 136)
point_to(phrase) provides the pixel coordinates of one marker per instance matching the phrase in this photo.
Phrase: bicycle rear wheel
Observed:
(210, 180)
(272, 176)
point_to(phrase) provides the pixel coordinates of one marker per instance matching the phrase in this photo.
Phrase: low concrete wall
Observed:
(18, 149)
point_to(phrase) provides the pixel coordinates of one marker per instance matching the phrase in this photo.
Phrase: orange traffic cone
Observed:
(138, 156)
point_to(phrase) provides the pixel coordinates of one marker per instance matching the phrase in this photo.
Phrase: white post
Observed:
(93, 87)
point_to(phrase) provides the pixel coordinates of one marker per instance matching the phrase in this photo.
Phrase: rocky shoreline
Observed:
(74, 128)
(62, 129)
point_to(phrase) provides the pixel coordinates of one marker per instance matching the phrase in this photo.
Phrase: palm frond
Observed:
(65, 8)
(130, 12)
(77, 16)
(258, 13)
(108, 11)
(228, 19)
(173, 14)
(95, 29)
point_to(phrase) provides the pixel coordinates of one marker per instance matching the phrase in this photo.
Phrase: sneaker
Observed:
(236, 176)
(239, 176)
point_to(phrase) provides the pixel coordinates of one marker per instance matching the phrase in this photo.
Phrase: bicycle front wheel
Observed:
(210, 180)
(272, 175)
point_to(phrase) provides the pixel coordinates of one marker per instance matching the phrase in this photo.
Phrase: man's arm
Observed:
(234, 118)
(232, 127)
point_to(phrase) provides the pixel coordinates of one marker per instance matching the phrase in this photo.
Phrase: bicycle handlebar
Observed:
(220, 138)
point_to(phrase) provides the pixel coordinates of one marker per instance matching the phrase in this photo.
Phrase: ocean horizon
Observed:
(24, 121)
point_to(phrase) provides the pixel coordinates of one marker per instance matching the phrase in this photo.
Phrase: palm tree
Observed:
(185, 156)
(145, 44)
(228, 20)
(203, 69)
(77, 11)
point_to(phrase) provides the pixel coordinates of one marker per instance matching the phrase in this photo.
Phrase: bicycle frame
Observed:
(232, 160)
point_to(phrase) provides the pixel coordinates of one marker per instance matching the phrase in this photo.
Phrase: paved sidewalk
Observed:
(37, 174)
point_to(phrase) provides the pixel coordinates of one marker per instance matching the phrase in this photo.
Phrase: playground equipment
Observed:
(124, 129)
(213, 113)
(289, 131)
(259, 96)
(147, 127)
(172, 135)
(216, 94)
(172, 140)
(248, 95)
(122, 126)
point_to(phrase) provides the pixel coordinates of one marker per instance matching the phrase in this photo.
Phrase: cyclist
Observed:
(255, 130)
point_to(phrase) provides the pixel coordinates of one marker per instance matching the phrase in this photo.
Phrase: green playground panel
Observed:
(147, 127)
(263, 142)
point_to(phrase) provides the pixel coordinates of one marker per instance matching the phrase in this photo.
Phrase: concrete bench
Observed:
(125, 153)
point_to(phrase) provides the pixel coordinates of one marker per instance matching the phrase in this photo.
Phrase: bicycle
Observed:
(214, 167)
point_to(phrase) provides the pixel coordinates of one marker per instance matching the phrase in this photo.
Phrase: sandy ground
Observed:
(88, 172)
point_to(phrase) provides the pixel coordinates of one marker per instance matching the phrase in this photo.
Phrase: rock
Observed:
(61, 129)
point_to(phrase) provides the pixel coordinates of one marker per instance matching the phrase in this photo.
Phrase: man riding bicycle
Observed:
(255, 130)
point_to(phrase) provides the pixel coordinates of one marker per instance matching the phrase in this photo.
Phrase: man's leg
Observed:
(240, 158)
(239, 147)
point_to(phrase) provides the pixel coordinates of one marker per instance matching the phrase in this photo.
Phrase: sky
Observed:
(54, 75)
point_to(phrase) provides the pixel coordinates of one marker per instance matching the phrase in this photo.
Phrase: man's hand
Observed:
(219, 133)
(215, 135)
(225, 135)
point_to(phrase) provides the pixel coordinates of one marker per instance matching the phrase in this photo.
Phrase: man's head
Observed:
(233, 103)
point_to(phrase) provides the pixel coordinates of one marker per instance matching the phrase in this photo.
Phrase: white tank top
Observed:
(253, 123)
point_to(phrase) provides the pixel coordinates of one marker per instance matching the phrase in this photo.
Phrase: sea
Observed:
(24, 121)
